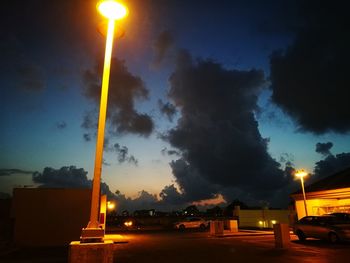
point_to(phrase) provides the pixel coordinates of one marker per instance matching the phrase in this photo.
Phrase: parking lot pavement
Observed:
(201, 247)
(195, 246)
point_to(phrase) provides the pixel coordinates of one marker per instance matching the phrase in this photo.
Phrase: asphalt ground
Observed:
(195, 246)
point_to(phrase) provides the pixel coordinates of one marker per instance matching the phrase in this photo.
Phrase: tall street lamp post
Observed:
(113, 11)
(301, 174)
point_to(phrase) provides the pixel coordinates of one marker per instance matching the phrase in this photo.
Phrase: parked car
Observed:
(192, 222)
(328, 227)
(342, 216)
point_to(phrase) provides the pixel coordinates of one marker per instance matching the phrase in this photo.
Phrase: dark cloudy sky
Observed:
(207, 101)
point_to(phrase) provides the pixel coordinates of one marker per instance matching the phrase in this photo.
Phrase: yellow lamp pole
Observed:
(113, 11)
(301, 174)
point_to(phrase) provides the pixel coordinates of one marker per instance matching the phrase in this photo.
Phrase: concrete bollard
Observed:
(217, 228)
(91, 252)
(233, 226)
(282, 236)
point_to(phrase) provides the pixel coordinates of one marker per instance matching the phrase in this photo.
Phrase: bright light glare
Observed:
(110, 205)
(273, 222)
(301, 173)
(128, 223)
(112, 9)
(260, 222)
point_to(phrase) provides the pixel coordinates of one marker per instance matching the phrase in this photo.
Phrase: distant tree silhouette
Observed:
(229, 209)
(215, 211)
(191, 210)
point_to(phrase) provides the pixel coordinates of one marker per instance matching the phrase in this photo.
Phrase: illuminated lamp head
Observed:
(112, 9)
(301, 173)
(110, 205)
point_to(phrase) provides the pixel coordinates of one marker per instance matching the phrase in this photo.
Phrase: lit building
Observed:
(328, 195)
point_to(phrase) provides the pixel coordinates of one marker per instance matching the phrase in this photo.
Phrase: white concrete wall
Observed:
(263, 218)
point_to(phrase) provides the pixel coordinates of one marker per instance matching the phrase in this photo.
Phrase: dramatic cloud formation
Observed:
(121, 151)
(61, 125)
(87, 137)
(124, 90)
(161, 47)
(66, 177)
(144, 200)
(330, 165)
(63, 177)
(167, 109)
(72, 177)
(286, 158)
(7, 172)
(171, 195)
(166, 151)
(310, 78)
(222, 149)
(324, 148)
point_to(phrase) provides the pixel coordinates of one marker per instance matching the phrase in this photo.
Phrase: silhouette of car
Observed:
(342, 216)
(328, 227)
(192, 222)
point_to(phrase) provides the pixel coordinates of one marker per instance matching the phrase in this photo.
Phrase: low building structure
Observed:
(328, 195)
(49, 217)
(261, 218)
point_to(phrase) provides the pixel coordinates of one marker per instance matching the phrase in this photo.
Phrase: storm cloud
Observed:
(63, 177)
(330, 165)
(121, 151)
(161, 47)
(168, 109)
(66, 177)
(310, 78)
(324, 148)
(7, 172)
(61, 125)
(217, 133)
(124, 90)
(170, 195)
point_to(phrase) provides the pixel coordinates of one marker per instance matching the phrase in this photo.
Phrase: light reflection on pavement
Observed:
(196, 247)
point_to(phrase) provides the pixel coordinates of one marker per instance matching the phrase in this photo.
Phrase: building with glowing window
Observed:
(328, 195)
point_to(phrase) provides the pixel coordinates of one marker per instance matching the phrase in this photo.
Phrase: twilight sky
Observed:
(207, 101)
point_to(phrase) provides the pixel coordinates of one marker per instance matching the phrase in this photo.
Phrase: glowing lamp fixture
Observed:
(301, 174)
(128, 223)
(112, 9)
(110, 205)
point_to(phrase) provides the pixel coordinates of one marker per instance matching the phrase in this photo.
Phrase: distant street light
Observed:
(301, 174)
(110, 205)
(112, 10)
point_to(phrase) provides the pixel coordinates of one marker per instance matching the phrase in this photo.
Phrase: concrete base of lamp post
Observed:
(92, 235)
(91, 252)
